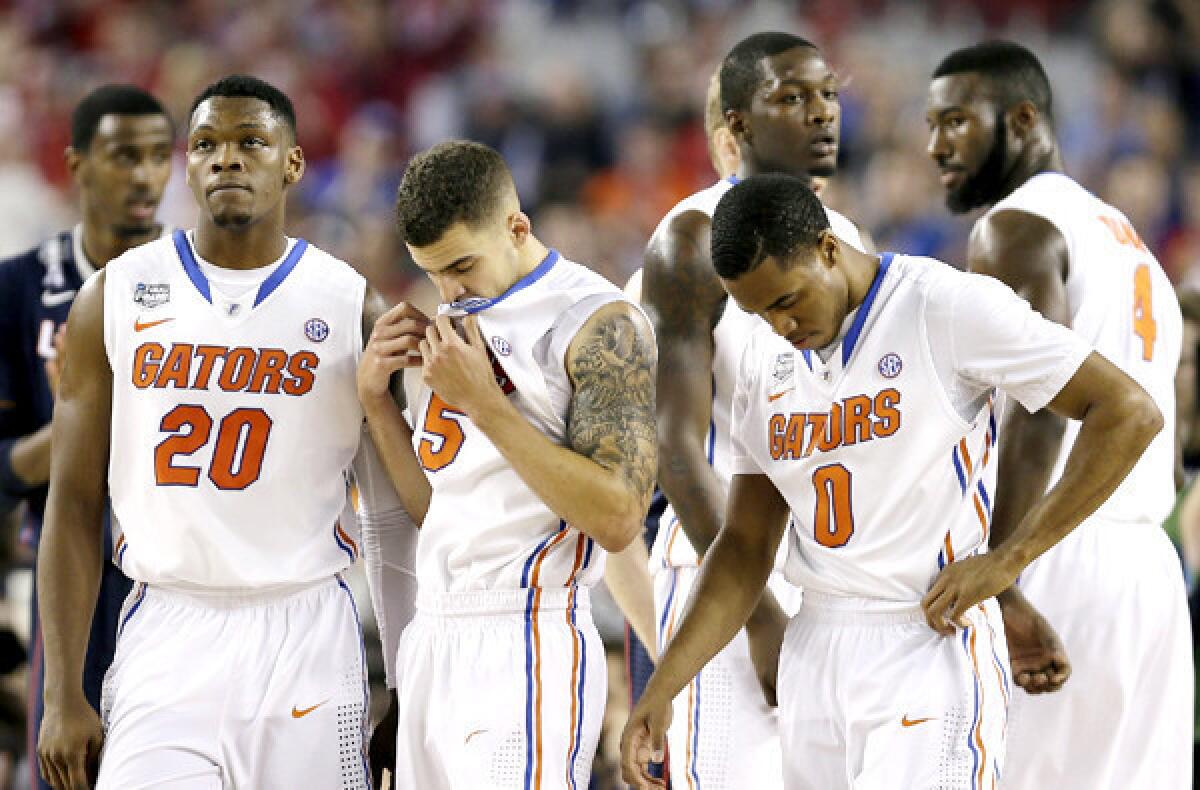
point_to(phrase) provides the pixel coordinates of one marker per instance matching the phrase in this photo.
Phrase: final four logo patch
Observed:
(316, 330)
(149, 295)
(890, 365)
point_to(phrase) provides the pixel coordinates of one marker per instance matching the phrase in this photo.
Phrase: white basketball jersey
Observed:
(232, 425)
(485, 528)
(1122, 303)
(671, 545)
(886, 477)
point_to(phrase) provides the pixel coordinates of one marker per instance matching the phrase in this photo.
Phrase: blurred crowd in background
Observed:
(596, 105)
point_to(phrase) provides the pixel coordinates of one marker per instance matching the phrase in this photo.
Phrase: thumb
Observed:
(474, 333)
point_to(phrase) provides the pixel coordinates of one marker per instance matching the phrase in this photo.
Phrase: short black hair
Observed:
(110, 100)
(1013, 73)
(771, 215)
(455, 181)
(237, 86)
(740, 73)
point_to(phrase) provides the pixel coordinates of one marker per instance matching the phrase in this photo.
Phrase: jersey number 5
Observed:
(833, 521)
(241, 441)
(440, 424)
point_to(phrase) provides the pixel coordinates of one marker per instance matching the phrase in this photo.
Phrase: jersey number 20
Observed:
(237, 455)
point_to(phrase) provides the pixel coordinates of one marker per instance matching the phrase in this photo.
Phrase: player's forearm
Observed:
(1029, 445)
(596, 500)
(628, 580)
(693, 489)
(1114, 434)
(68, 580)
(728, 589)
(29, 458)
(393, 441)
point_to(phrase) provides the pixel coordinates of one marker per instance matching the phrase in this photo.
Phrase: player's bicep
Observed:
(83, 409)
(612, 362)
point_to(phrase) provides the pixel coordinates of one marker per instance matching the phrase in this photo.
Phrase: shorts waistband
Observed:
(240, 599)
(826, 608)
(504, 601)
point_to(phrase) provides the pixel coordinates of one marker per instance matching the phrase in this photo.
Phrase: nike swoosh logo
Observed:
(55, 298)
(907, 722)
(472, 735)
(778, 395)
(300, 713)
(138, 326)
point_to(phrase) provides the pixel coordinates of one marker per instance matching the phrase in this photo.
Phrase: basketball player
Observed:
(869, 428)
(779, 104)
(1113, 589)
(534, 428)
(210, 382)
(120, 160)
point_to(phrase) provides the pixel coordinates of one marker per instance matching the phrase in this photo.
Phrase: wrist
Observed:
(1012, 559)
(489, 410)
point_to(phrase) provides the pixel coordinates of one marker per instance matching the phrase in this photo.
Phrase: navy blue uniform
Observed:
(36, 292)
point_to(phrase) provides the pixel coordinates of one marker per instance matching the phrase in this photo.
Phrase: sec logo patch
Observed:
(316, 330)
(890, 365)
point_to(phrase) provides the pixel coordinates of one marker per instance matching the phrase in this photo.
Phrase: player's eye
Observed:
(201, 145)
(254, 142)
(463, 268)
(830, 94)
(792, 98)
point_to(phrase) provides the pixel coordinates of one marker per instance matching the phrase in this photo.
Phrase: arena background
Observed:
(596, 106)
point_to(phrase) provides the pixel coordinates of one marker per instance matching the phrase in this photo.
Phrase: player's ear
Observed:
(1023, 118)
(737, 124)
(74, 160)
(293, 171)
(827, 246)
(519, 227)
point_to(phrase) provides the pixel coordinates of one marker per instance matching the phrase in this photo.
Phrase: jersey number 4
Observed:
(1144, 325)
(833, 521)
(237, 455)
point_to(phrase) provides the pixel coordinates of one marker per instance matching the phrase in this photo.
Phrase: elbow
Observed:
(1145, 418)
(617, 532)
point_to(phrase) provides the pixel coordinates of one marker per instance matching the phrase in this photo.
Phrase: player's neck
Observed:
(1041, 156)
(530, 256)
(860, 273)
(248, 247)
(101, 243)
(750, 168)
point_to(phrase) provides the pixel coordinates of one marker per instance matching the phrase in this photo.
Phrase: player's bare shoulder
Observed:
(680, 288)
(1013, 245)
(612, 363)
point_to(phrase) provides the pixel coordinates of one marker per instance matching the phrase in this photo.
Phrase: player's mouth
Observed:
(802, 341)
(952, 176)
(142, 209)
(227, 187)
(824, 145)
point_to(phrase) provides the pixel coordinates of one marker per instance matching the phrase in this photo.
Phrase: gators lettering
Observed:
(856, 419)
(240, 369)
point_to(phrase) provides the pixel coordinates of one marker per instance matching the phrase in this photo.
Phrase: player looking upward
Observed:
(210, 392)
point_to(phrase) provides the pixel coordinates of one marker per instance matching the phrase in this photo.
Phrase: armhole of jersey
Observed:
(944, 387)
(108, 305)
(360, 299)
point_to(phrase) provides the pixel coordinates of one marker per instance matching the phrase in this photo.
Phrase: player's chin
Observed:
(825, 167)
(231, 218)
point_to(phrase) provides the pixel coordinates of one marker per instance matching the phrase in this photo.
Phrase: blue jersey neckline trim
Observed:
(472, 306)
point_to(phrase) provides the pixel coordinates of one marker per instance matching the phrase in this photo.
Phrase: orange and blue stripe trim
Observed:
(139, 595)
(362, 651)
(344, 541)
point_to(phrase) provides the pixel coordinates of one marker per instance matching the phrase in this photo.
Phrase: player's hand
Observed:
(69, 745)
(54, 365)
(963, 584)
(1038, 658)
(383, 742)
(642, 742)
(394, 345)
(458, 368)
(764, 634)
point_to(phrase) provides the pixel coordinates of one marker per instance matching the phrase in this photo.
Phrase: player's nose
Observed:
(936, 146)
(450, 289)
(227, 157)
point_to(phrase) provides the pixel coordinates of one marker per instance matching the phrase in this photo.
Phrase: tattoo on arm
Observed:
(612, 412)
